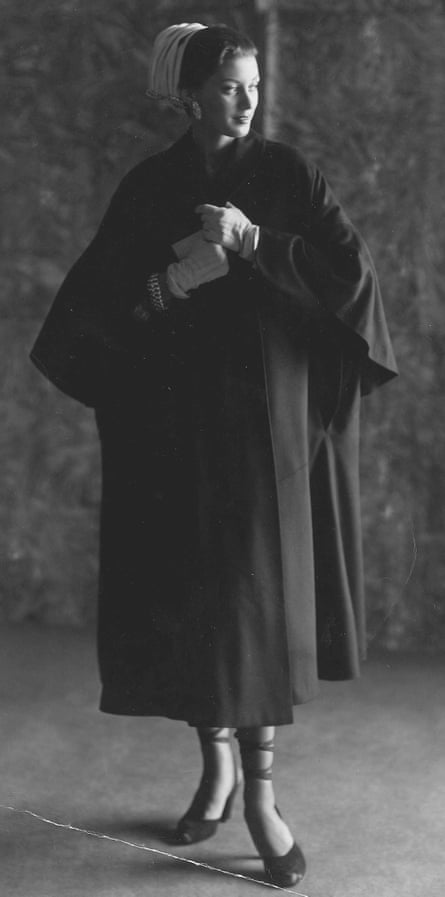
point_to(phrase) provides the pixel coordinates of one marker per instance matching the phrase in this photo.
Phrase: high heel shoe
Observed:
(287, 870)
(192, 827)
(283, 871)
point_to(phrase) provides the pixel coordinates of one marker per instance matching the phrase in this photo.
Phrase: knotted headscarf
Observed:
(168, 53)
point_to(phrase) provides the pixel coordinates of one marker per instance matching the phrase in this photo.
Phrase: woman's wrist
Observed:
(250, 242)
(171, 283)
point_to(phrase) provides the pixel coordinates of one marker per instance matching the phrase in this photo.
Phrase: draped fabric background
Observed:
(359, 87)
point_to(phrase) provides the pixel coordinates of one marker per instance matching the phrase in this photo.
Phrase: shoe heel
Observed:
(230, 803)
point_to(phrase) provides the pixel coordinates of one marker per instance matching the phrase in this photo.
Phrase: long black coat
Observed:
(231, 567)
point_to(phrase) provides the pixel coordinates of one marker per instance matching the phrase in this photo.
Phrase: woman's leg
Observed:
(214, 798)
(284, 863)
(218, 772)
(268, 830)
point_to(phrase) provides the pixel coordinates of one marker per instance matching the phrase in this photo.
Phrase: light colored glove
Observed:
(206, 262)
(229, 227)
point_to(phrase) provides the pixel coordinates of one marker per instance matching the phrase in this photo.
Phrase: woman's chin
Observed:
(240, 129)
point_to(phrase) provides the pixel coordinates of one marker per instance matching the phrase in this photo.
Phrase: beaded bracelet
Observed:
(155, 293)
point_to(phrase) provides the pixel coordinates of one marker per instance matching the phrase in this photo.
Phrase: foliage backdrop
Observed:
(360, 87)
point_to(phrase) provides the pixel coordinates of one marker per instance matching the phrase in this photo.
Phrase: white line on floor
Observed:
(163, 853)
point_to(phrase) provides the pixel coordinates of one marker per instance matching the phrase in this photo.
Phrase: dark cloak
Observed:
(230, 559)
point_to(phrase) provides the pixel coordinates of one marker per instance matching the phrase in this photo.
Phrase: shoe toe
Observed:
(182, 837)
(288, 870)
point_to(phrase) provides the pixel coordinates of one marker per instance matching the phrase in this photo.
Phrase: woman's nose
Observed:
(246, 100)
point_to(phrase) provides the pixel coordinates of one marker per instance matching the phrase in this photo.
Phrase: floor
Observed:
(88, 801)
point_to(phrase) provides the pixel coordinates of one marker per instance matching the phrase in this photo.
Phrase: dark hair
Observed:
(207, 50)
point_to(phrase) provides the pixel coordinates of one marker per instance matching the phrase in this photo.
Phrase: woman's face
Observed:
(228, 98)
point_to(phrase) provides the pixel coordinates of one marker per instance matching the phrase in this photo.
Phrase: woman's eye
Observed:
(230, 91)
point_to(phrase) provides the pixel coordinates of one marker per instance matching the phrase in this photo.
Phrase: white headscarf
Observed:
(168, 53)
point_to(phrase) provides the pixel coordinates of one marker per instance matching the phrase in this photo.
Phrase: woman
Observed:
(224, 323)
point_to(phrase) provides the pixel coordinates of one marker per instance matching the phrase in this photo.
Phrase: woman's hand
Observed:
(206, 262)
(227, 226)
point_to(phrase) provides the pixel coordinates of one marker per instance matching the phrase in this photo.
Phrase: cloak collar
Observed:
(186, 184)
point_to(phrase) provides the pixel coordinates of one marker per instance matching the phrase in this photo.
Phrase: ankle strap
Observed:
(250, 746)
(247, 748)
(212, 736)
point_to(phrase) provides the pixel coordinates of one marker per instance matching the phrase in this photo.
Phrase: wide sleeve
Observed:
(324, 267)
(92, 334)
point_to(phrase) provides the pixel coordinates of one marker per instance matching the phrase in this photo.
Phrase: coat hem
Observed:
(117, 707)
(118, 704)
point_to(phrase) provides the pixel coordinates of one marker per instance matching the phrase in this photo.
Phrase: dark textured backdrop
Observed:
(360, 87)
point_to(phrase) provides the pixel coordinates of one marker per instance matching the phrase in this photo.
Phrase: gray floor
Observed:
(360, 777)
